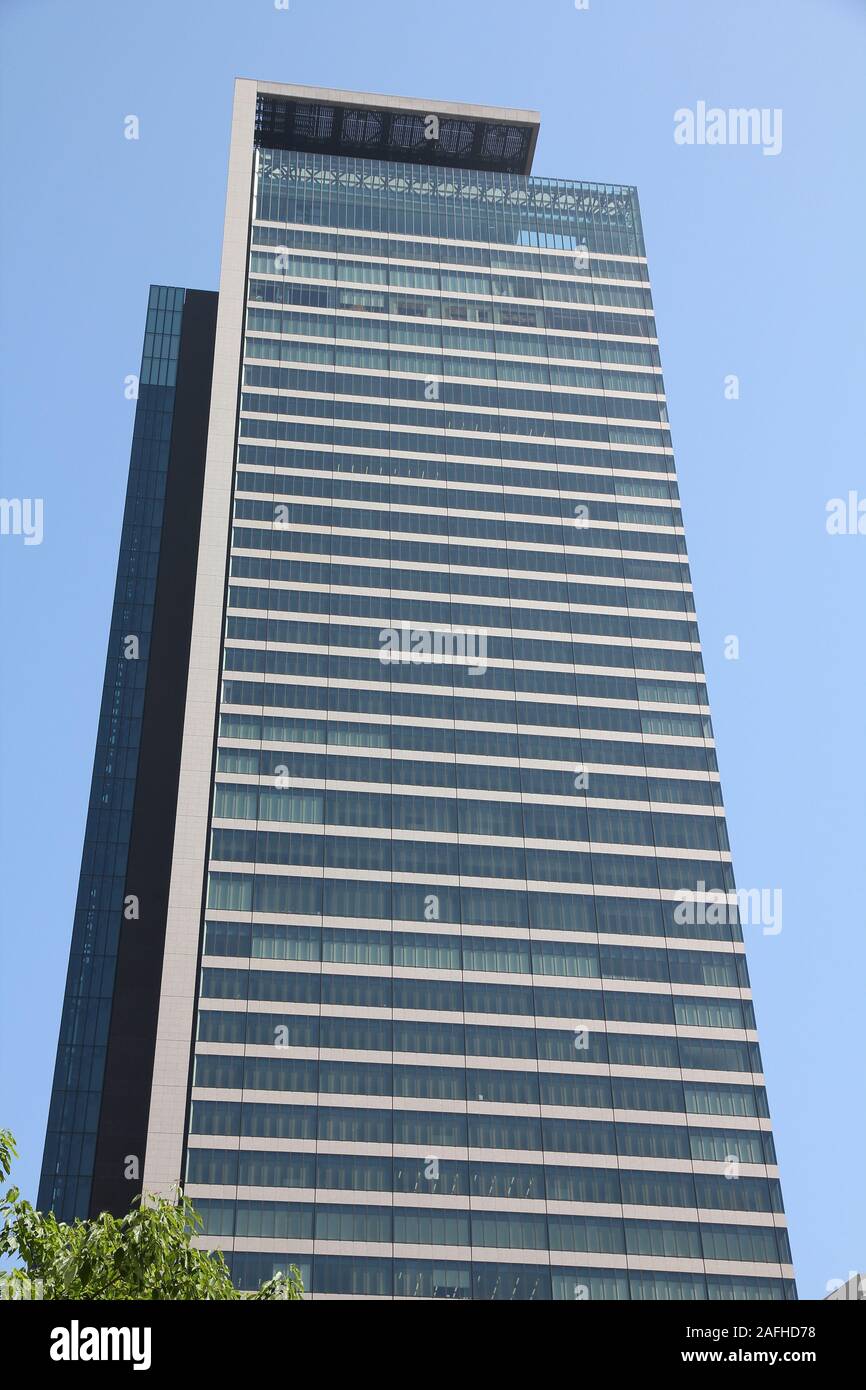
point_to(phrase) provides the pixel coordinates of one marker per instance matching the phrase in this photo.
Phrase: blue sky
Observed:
(758, 271)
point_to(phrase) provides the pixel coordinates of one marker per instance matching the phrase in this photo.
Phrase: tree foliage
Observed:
(146, 1254)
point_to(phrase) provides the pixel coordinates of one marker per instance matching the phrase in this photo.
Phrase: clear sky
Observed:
(757, 264)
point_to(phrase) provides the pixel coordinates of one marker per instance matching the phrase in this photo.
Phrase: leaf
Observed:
(146, 1254)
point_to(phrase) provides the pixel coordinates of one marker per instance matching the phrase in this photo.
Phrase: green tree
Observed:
(146, 1254)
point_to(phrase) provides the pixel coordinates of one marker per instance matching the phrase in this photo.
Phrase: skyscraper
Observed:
(398, 939)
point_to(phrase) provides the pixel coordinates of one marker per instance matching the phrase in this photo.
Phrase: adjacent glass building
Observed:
(424, 1016)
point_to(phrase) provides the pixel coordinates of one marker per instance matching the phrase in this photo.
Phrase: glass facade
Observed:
(73, 1119)
(452, 1039)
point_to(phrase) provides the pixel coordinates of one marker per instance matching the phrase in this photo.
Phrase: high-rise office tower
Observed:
(393, 940)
